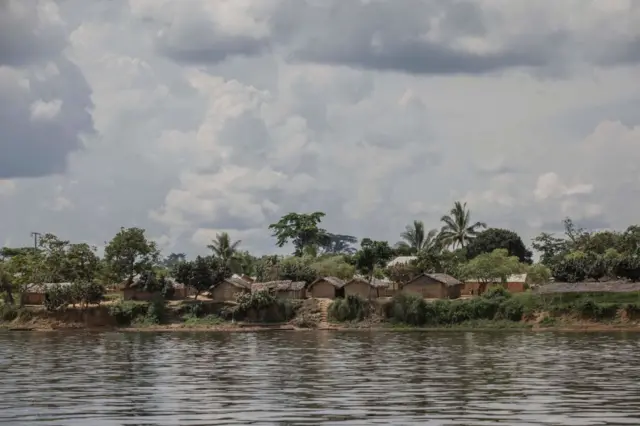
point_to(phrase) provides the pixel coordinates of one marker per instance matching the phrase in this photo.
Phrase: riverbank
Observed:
(497, 311)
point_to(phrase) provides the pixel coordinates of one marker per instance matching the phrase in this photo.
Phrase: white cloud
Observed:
(192, 118)
(45, 111)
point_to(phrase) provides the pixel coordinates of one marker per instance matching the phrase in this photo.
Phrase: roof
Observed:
(334, 281)
(375, 282)
(282, 285)
(590, 287)
(238, 282)
(402, 260)
(445, 279)
(246, 278)
(515, 278)
(42, 287)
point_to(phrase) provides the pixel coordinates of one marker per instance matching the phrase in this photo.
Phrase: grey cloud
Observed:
(24, 38)
(32, 147)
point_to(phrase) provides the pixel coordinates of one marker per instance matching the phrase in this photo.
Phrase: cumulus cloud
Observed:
(44, 99)
(200, 117)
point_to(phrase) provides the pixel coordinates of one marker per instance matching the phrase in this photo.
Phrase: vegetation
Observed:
(351, 308)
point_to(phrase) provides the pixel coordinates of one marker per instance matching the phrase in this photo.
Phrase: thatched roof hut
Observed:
(286, 289)
(326, 288)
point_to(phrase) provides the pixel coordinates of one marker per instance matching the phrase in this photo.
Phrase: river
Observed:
(355, 378)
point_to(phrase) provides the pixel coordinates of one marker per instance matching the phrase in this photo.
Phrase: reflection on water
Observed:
(319, 377)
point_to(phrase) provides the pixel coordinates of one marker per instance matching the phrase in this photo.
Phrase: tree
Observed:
(225, 250)
(54, 251)
(338, 243)
(6, 285)
(572, 267)
(402, 272)
(201, 274)
(81, 263)
(333, 266)
(496, 238)
(550, 247)
(416, 240)
(173, 259)
(267, 268)
(458, 229)
(296, 269)
(538, 274)
(130, 253)
(302, 229)
(372, 255)
(492, 267)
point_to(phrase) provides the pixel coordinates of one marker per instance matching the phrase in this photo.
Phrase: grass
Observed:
(209, 320)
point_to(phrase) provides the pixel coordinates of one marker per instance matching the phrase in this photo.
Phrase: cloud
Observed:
(44, 99)
(193, 118)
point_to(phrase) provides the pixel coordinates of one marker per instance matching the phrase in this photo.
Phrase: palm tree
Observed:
(224, 249)
(458, 229)
(415, 239)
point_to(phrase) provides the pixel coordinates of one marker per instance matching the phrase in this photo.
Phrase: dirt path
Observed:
(323, 306)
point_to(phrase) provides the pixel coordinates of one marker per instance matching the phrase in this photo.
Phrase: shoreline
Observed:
(255, 328)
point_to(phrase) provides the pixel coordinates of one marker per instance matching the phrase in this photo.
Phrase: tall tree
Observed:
(417, 240)
(225, 250)
(495, 238)
(458, 229)
(338, 243)
(130, 253)
(81, 264)
(491, 267)
(173, 259)
(300, 228)
(372, 255)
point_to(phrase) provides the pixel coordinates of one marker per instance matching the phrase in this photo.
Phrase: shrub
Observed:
(510, 309)
(352, 308)
(127, 311)
(264, 307)
(496, 292)
(156, 311)
(9, 312)
(408, 309)
(58, 296)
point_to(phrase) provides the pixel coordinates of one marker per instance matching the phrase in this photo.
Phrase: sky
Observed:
(194, 117)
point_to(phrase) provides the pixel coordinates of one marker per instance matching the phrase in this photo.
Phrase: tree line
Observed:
(461, 247)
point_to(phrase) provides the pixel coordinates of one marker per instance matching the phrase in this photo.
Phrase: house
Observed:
(365, 288)
(433, 286)
(36, 292)
(401, 260)
(326, 288)
(283, 289)
(136, 288)
(514, 283)
(229, 289)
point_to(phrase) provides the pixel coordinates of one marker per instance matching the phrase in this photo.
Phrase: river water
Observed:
(315, 377)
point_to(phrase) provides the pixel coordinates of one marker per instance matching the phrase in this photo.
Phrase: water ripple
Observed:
(355, 378)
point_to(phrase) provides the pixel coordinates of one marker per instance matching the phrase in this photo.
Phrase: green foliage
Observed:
(8, 312)
(402, 272)
(538, 274)
(130, 253)
(372, 255)
(302, 229)
(416, 240)
(495, 238)
(549, 246)
(264, 307)
(297, 269)
(338, 244)
(628, 266)
(208, 320)
(333, 266)
(128, 311)
(156, 311)
(84, 293)
(351, 308)
(225, 250)
(572, 268)
(57, 297)
(496, 293)
(202, 273)
(488, 267)
(458, 230)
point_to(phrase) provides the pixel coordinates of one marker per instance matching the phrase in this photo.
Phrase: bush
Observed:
(408, 309)
(352, 308)
(511, 309)
(264, 307)
(496, 292)
(156, 311)
(128, 311)
(9, 312)
(58, 296)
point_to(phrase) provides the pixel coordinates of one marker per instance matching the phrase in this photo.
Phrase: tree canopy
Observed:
(458, 229)
(495, 238)
(301, 229)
